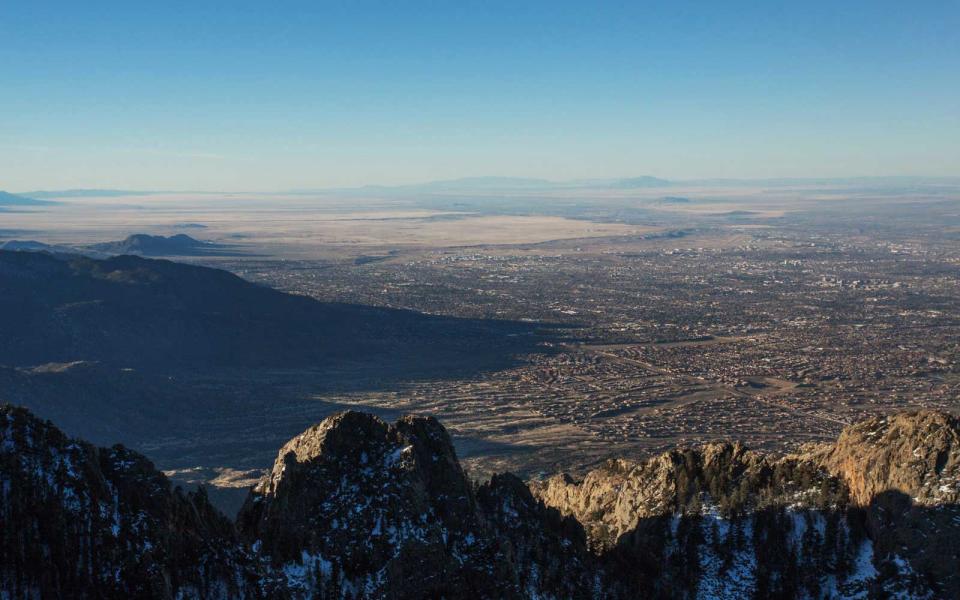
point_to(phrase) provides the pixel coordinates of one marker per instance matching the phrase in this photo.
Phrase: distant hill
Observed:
(82, 193)
(24, 246)
(487, 185)
(156, 314)
(7, 199)
(142, 244)
(645, 181)
(527, 183)
(460, 185)
(35, 246)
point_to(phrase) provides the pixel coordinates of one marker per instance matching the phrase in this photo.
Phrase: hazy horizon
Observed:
(480, 182)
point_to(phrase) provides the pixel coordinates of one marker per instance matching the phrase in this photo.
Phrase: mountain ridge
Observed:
(356, 507)
(8, 199)
(129, 311)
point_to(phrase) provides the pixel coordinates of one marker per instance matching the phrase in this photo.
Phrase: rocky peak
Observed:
(915, 453)
(356, 504)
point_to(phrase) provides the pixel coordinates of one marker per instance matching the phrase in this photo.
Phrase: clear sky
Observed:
(280, 95)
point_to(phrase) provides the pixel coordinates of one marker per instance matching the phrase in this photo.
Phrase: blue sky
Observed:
(281, 95)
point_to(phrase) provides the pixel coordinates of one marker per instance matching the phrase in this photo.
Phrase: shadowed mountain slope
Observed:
(154, 314)
(35, 246)
(83, 522)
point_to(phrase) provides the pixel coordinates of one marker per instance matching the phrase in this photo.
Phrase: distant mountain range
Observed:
(514, 183)
(638, 182)
(502, 184)
(139, 244)
(82, 193)
(479, 183)
(35, 246)
(493, 184)
(8, 199)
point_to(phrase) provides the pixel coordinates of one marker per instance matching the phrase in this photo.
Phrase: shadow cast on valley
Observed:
(162, 317)
(176, 360)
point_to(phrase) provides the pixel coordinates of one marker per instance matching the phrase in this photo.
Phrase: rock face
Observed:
(355, 504)
(83, 522)
(876, 513)
(617, 497)
(358, 508)
(546, 553)
(905, 469)
(718, 521)
(915, 453)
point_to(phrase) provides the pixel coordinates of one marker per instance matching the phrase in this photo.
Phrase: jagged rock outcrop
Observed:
(905, 470)
(83, 522)
(915, 453)
(358, 508)
(613, 499)
(354, 505)
(876, 513)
